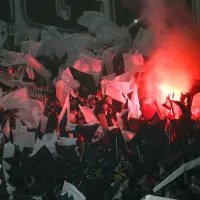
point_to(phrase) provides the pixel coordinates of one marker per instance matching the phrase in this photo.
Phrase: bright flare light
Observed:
(169, 90)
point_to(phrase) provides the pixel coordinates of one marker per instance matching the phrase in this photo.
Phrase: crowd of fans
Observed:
(118, 158)
(105, 165)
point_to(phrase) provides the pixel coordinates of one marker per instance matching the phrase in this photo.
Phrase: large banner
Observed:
(21, 18)
(17, 17)
(37, 13)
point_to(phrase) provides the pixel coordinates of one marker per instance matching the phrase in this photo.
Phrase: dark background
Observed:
(44, 12)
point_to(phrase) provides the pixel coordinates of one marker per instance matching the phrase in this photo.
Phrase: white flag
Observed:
(29, 47)
(89, 115)
(72, 191)
(23, 138)
(6, 129)
(8, 151)
(133, 62)
(88, 65)
(16, 99)
(134, 110)
(151, 197)
(144, 42)
(30, 60)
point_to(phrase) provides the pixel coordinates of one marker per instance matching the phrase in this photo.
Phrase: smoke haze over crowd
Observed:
(175, 59)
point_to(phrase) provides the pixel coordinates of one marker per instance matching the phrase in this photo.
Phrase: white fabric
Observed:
(16, 99)
(24, 139)
(6, 129)
(8, 151)
(30, 60)
(115, 89)
(144, 42)
(72, 191)
(29, 47)
(13, 58)
(177, 173)
(134, 105)
(63, 141)
(133, 62)
(151, 197)
(89, 115)
(18, 124)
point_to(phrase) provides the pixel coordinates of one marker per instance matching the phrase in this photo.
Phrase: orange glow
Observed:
(176, 64)
(175, 59)
(169, 90)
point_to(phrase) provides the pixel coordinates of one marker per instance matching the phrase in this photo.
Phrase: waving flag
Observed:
(19, 99)
(144, 42)
(18, 124)
(29, 47)
(24, 139)
(65, 107)
(71, 190)
(125, 77)
(151, 197)
(30, 60)
(134, 109)
(52, 30)
(7, 80)
(68, 79)
(88, 17)
(27, 118)
(89, 115)
(30, 72)
(62, 90)
(13, 58)
(111, 90)
(6, 129)
(133, 62)
(65, 86)
(87, 82)
(114, 33)
(8, 152)
(47, 45)
(99, 24)
(73, 44)
(107, 57)
(16, 99)
(90, 66)
(82, 40)
(115, 89)
(33, 34)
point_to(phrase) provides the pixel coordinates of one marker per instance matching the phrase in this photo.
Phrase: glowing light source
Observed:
(169, 90)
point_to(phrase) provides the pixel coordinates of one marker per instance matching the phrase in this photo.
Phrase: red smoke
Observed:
(176, 58)
(175, 63)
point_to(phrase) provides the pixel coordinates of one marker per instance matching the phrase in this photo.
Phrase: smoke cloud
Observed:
(176, 60)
